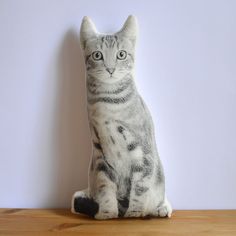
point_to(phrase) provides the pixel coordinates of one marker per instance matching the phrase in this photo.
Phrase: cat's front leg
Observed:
(164, 210)
(105, 192)
(138, 196)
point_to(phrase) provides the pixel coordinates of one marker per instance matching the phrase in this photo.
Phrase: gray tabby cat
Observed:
(126, 177)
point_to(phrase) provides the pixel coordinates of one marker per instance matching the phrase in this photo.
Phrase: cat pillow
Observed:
(126, 177)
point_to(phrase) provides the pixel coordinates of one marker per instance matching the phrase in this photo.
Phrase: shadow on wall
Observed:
(72, 135)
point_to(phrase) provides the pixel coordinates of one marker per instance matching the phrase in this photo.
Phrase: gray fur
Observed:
(126, 177)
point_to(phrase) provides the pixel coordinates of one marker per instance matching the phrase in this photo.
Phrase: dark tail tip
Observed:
(86, 206)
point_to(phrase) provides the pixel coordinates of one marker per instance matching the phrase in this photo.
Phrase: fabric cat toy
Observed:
(126, 177)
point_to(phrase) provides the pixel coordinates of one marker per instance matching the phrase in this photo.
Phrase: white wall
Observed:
(186, 72)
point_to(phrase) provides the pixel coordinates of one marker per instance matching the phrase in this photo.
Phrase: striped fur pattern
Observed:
(126, 177)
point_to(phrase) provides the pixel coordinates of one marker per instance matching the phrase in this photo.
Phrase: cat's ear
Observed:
(130, 28)
(87, 31)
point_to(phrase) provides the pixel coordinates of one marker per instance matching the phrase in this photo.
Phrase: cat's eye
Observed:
(97, 55)
(122, 54)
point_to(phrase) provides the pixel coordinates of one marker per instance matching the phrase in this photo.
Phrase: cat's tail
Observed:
(81, 203)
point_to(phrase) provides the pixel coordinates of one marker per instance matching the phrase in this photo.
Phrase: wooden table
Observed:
(62, 222)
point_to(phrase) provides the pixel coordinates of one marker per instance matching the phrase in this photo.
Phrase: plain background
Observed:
(185, 71)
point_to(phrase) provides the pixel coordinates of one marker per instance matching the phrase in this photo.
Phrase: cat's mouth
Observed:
(111, 76)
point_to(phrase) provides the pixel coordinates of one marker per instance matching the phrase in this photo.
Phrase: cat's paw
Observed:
(133, 214)
(105, 215)
(165, 210)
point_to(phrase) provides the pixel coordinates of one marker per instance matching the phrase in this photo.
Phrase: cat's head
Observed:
(109, 57)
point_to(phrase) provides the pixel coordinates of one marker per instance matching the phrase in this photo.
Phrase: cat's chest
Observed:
(124, 124)
(121, 133)
(121, 143)
(102, 112)
(118, 134)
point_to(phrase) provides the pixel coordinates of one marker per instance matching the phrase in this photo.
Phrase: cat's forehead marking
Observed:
(109, 41)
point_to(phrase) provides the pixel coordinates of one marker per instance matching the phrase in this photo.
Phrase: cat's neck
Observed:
(95, 86)
(117, 92)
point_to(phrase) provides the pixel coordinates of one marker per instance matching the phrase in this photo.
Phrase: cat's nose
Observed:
(110, 70)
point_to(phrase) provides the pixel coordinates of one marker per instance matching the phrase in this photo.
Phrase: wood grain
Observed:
(62, 222)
